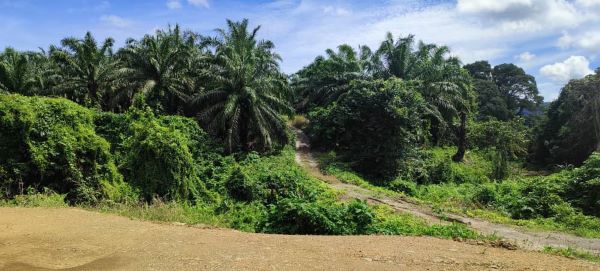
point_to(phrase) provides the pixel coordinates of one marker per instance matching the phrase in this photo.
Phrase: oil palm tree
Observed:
(246, 97)
(89, 72)
(327, 78)
(443, 83)
(17, 73)
(163, 63)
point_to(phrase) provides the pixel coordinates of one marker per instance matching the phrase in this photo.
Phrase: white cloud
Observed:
(116, 21)
(524, 15)
(173, 4)
(199, 3)
(336, 11)
(588, 3)
(574, 67)
(589, 40)
(526, 57)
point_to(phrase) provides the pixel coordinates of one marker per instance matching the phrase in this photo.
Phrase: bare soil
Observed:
(524, 238)
(74, 239)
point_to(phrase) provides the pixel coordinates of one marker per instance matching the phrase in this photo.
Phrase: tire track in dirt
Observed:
(526, 239)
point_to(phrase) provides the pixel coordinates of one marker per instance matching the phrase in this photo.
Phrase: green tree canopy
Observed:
(245, 103)
(572, 131)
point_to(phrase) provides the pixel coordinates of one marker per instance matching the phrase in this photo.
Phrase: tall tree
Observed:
(491, 103)
(89, 72)
(519, 88)
(17, 72)
(572, 131)
(445, 85)
(247, 99)
(161, 65)
(328, 77)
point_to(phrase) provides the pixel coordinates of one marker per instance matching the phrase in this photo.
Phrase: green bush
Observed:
(52, 143)
(583, 187)
(293, 216)
(373, 126)
(404, 186)
(159, 161)
(241, 187)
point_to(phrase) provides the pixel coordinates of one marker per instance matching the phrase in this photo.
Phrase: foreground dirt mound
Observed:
(73, 239)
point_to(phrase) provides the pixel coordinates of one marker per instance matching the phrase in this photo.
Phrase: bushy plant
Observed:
(404, 186)
(373, 126)
(293, 216)
(46, 142)
(583, 188)
(159, 161)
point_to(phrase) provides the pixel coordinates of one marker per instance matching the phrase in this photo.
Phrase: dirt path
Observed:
(523, 238)
(74, 239)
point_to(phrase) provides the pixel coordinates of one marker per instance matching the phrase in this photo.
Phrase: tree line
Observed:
(376, 107)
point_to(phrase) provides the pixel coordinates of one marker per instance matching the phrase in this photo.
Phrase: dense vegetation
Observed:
(181, 126)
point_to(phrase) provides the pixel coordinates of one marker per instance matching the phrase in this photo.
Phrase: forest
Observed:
(179, 126)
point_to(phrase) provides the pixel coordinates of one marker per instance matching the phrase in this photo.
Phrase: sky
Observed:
(554, 40)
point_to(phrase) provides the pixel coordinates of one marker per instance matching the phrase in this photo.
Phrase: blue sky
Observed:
(555, 40)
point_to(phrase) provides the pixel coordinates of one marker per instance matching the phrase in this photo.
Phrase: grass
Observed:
(47, 199)
(331, 167)
(573, 253)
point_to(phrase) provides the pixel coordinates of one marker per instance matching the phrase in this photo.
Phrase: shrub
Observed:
(293, 216)
(583, 187)
(373, 126)
(404, 186)
(241, 187)
(52, 143)
(159, 161)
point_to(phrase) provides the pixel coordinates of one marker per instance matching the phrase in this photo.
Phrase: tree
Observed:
(507, 140)
(374, 126)
(572, 131)
(162, 66)
(445, 85)
(519, 88)
(327, 78)
(18, 72)
(245, 102)
(491, 103)
(89, 72)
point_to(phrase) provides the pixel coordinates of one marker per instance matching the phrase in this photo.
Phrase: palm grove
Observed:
(138, 133)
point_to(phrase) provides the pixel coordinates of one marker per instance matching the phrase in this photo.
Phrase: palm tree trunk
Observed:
(462, 138)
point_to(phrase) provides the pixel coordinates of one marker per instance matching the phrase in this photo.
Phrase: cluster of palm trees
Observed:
(439, 77)
(231, 82)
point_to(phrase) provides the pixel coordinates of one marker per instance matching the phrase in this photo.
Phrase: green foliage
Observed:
(298, 217)
(52, 143)
(505, 141)
(245, 103)
(570, 134)
(372, 127)
(583, 187)
(386, 222)
(572, 253)
(504, 91)
(404, 186)
(47, 198)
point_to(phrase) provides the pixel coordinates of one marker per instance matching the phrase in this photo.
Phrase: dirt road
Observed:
(527, 239)
(74, 239)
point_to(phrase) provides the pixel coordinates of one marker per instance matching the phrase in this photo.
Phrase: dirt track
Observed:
(527, 239)
(74, 239)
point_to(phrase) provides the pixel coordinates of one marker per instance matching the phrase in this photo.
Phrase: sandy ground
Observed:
(74, 239)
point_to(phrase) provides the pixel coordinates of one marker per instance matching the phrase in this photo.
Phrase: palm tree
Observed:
(245, 102)
(89, 73)
(327, 78)
(444, 84)
(17, 72)
(164, 63)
